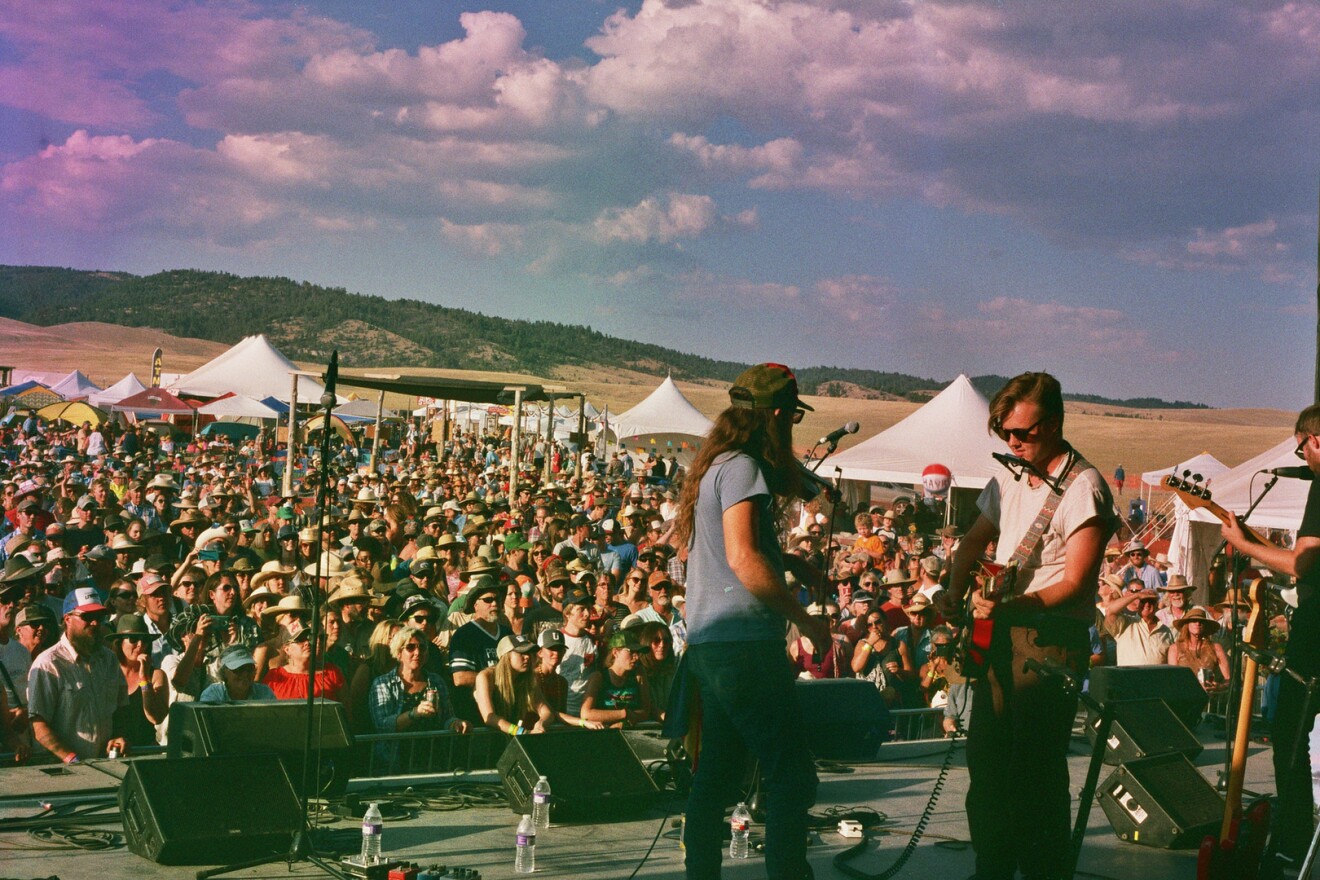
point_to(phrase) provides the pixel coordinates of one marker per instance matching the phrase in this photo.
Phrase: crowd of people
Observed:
(156, 575)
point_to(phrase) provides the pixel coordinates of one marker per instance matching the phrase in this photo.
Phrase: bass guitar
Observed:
(1236, 853)
(1197, 497)
(993, 582)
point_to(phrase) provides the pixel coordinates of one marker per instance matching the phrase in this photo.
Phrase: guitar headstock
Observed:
(1256, 631)
(1190, 488)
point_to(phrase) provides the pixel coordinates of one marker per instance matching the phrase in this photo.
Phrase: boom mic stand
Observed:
(300, 848)
(831, 490)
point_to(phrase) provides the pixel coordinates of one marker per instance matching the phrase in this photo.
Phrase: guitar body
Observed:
(1236, 853)
(993, 582)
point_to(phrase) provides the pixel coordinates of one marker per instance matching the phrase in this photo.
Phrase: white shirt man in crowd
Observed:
(1141, 639)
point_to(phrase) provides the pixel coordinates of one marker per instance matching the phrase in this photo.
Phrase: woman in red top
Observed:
(289, 680)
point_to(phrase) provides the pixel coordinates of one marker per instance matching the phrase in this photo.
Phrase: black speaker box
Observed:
(845, 719)
(1175, 685)
(200, 730)
(207, 811)
(594, 775)
(1161, 802)
(1143, 729)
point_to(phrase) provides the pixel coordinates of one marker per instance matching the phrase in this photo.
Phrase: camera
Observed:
(943, 651)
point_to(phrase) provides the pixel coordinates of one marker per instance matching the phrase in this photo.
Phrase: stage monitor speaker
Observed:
(200, 730)
(1175, 685)
(846, 719)
(208, 811)
(1143, 729)
(1161, 802)
(594, 775)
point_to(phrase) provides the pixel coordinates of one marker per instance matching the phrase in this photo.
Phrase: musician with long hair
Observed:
(1295, 807)
(738, 606)
(1053, 519)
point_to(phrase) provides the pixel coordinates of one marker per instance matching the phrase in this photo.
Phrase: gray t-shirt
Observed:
(719, 608)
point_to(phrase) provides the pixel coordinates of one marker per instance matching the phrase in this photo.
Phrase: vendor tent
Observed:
(361, 410)
(665, 423)
(1204, 464)
(153, 402)
(125, 387)
(254, 368)
(950, 429)
(75, 386)
(238, 406)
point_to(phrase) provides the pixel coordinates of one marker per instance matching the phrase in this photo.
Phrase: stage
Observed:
(897, 785)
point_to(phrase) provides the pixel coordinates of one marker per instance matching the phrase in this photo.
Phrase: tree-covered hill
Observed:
(306, 321)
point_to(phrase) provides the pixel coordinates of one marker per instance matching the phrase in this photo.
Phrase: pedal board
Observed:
(401, 870)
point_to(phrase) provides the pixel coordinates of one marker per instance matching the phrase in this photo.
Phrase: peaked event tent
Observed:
(238, 406)
(665, 421)
(74, 386)
(1204, 464)
(125, 387)
(254, 368)
(950, 429)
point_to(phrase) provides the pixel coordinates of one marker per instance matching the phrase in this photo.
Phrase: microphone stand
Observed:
(1234, 638)
(300, 847)
(831, 490)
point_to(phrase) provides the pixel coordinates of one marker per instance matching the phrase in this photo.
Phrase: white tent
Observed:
(665, 423)
(950, 429)
(125, 387)
(1204, 464)
(253, 368)
(238, 406)
(74, 386)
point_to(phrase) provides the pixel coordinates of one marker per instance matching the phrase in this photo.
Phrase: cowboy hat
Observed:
(1209, 626)
(271, 570)
(292, 604)
(1177, 584)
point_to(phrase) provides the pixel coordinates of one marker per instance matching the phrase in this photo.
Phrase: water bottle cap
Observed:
(542, 779)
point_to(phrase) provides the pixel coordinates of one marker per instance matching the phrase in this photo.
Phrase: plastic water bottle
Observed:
(740, 823)
(524, 860)
(373, 826)
(541, 803)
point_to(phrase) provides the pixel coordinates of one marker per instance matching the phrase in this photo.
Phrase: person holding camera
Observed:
(200, 633)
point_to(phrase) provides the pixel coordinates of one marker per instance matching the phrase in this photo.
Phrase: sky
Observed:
(1121, 193)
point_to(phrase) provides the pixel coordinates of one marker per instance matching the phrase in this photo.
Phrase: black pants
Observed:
(1294, 714)
(1018, 802)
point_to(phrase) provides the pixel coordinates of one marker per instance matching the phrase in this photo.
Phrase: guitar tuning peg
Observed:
(1197, 478)
(1187, 472)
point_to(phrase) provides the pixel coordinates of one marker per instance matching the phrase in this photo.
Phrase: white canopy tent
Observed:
(238, 406)
(1196, 532)
(665, 423)
(1204, 464)
(950, 429)
(74, 386)
(125, 387)
(253, 368)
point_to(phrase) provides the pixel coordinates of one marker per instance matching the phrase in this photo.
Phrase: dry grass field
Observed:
(1138, 439)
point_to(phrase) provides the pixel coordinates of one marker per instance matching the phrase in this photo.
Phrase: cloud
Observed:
(1256, 247)
(664, 220)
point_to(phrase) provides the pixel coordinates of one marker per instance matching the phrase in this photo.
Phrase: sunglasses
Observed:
(798, 415)
(1300, 451)
(137, 640)
(490, 599)
(94, 617)
(188, 583)
(422, 618)
(1019, 434)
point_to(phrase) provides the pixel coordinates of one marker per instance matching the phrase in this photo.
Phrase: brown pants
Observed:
(1018, 803)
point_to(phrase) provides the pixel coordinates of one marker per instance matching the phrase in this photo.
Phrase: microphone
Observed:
(1294, 473)
(833, 437)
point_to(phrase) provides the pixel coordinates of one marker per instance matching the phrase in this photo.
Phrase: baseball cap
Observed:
(84, 600)
(152, 582)
(766, 386)
(521, 644)
(551, 638)
(30, 615)
(236, 657)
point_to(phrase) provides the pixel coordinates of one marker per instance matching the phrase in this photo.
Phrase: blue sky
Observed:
(1124, 193)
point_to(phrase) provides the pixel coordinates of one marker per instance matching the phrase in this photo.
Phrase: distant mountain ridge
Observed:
(306, 321)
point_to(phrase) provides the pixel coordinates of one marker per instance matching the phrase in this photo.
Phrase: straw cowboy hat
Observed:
(293, 604)
(1209, 626)
(1177, 584)
(272, 570)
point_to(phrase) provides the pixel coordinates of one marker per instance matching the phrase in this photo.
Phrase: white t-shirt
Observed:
(575, 667)
(1012, 505)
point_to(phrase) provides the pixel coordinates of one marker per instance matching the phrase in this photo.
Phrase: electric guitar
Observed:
(994, 582)
(1197, 497)
(1236, 853)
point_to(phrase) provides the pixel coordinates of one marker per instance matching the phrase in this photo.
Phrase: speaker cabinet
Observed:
(845, 719)
(1161, 802)
(1175, 685)
(200, 730)
(594, 775)
(1143, 729)
(206, 811)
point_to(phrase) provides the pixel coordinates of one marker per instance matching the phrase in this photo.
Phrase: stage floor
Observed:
(898, 785)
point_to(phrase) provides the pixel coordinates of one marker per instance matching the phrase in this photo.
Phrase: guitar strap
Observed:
(1031, 540)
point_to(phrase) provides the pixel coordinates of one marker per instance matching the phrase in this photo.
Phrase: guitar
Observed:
(1236, 853)
(1197, 497)
(994, 582)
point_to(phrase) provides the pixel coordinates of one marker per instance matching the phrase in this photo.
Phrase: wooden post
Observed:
(514, 441)
(375, 441)
(290, 444)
